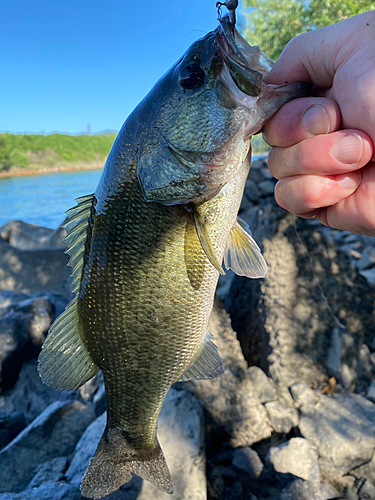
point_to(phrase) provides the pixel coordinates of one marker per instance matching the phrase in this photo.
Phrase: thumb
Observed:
(315, 56)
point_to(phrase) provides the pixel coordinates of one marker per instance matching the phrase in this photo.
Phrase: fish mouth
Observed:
(247, 65)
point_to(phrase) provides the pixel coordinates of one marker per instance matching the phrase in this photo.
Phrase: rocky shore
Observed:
(293, 416)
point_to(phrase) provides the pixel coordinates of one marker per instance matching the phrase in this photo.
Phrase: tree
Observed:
(270, 24)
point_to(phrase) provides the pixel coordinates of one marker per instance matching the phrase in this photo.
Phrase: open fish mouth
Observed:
(247, 65)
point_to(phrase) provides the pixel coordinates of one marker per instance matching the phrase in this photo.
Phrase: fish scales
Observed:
(147, 249)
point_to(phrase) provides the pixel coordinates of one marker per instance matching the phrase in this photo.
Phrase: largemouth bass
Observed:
(147, 248)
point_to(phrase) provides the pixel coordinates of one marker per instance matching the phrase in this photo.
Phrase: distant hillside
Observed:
(33, 151)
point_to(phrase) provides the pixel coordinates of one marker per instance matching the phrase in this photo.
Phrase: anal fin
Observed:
(242, 254)
(207, 364)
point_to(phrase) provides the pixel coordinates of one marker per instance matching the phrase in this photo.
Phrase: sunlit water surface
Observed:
(44, 199)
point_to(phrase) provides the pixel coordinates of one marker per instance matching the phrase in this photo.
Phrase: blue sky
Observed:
(65, 64)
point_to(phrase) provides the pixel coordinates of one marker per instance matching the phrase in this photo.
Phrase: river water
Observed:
(43, 199)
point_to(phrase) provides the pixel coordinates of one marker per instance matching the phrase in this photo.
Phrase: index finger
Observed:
(300, 119)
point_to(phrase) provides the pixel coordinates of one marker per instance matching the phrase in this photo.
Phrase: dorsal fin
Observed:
(65, 362)
(242, 254)
(207, 364)
(205, 241)
(77, 227)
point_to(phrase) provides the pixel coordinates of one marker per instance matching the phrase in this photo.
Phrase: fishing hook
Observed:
(231, 5)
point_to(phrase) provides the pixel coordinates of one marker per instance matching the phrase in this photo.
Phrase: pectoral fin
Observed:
(207, 364)
(242, 254)
(205, 241)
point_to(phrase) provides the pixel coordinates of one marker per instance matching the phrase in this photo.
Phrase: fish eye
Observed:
(191, 76)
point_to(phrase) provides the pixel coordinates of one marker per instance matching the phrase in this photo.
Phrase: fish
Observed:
(147, 248)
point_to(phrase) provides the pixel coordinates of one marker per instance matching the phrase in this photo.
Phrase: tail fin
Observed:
(114, 461)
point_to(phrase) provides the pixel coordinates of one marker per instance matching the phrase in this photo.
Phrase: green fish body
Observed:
(147, 249)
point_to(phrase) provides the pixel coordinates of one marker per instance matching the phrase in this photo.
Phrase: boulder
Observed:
(247, 461)
(25, 236)
(285, 321)
(49, 472)
(263, 386)
(54, 433)
(30, 271)
(231, 400)
(23, 328)
(342, 428)
(29, 397)
(48, 491)
(297, 456)
(302, 490)
(282, 418)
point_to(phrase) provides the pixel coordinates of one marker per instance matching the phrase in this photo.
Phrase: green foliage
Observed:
(270, 24)
(23, 150)
(258, 145)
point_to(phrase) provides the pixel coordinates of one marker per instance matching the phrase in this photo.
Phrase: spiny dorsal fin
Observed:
(207, 364)
(64, 362)
(205, 241)
(242, 254)
(77, 227)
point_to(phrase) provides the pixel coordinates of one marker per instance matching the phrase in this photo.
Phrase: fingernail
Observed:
(348, 149)
(349, 181)
(315, 120)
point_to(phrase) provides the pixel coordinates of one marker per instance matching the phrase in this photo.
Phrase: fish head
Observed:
(205, 110)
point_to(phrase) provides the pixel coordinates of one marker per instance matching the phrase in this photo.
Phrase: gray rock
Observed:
(342, 428)
(367, 470)
(29, 396)
(267, 187)
(282, 320)
(349, 360)
(30, 271)
(9, 299)
(230, 400)
(328, 491)
(25, 236)
(263, 386)
(364, 489)
(85, 450)
(302, 490)
(369, 274)
(23, 329)
(283, 418)
(49, 472)
(302, 394)
(367, 259)
(49, 491)
(246, 460)
(252, 192)
(54, 433)
(297, 456)
(371, 392)
(10, 426)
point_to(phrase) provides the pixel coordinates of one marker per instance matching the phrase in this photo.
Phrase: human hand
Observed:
(323, 146)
